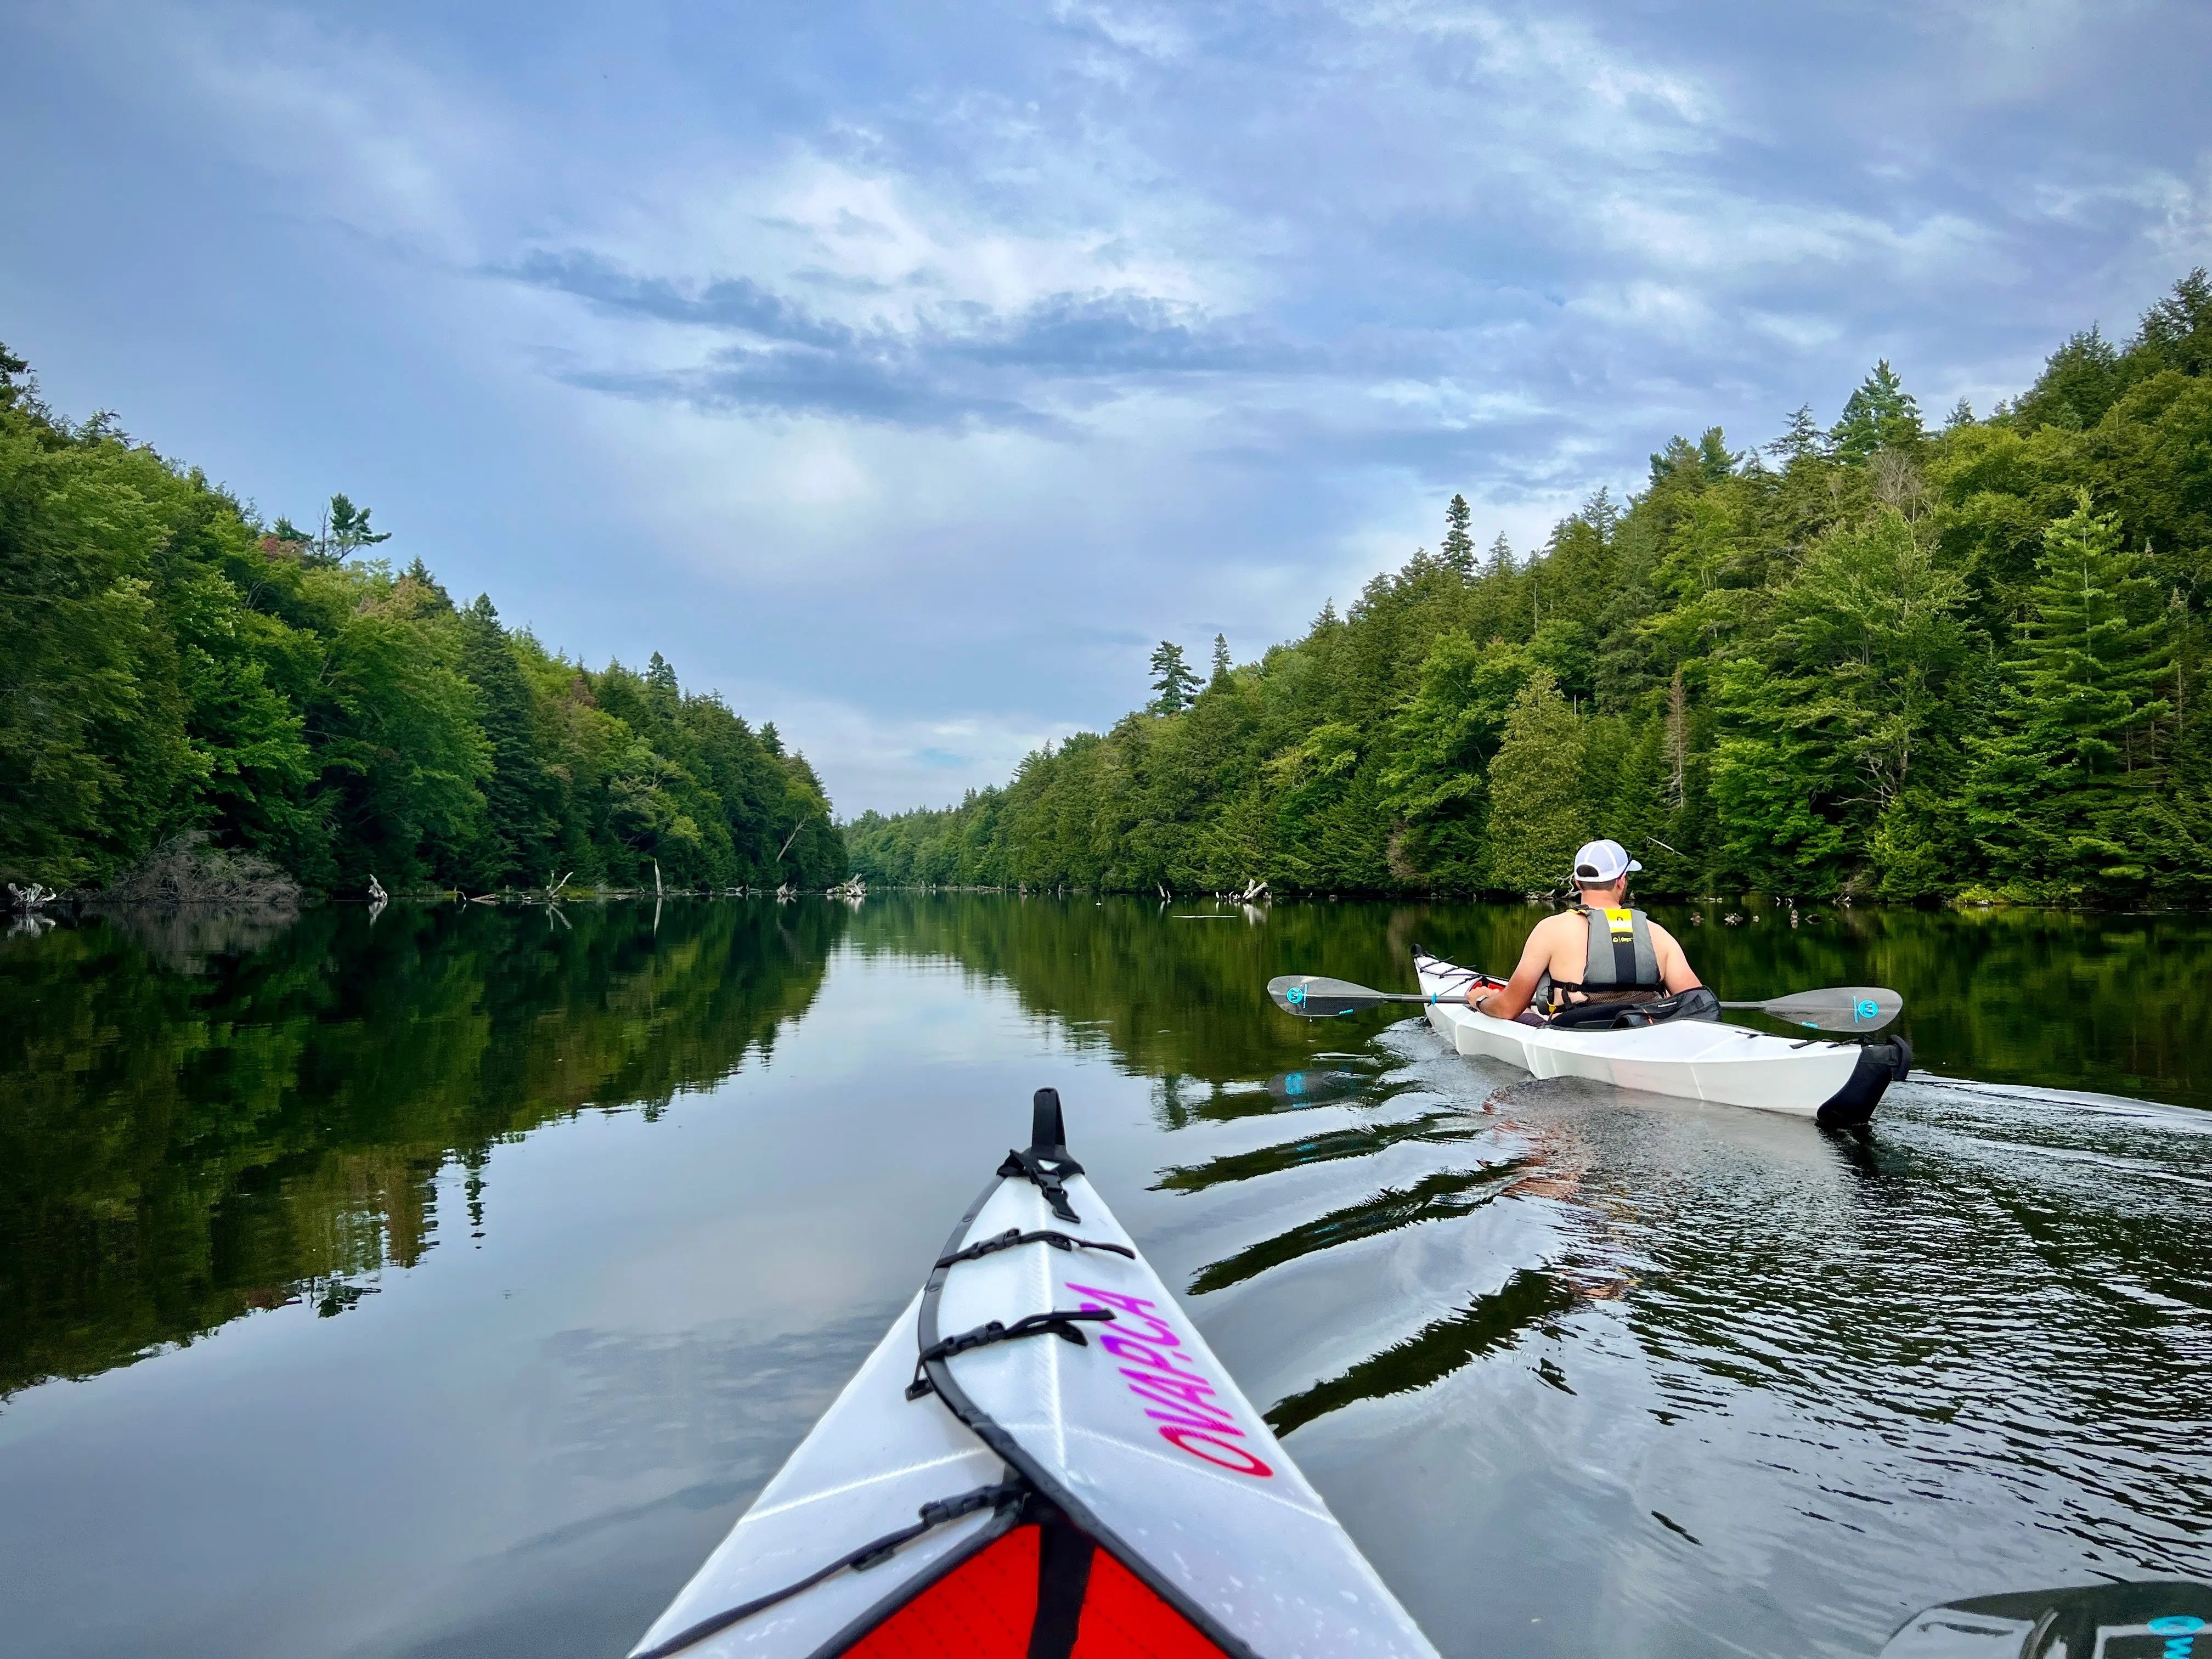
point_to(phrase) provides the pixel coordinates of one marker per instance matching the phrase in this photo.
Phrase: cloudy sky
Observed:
(906, 371)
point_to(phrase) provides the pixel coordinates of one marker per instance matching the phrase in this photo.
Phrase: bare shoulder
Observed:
(1545, 937)
(1561, 930)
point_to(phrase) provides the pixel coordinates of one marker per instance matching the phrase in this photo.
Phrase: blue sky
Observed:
(907, 372)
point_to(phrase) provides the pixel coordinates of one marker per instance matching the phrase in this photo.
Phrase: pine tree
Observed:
(1220, 658)
(517, 798)
(345, 531)
(1171, 679)
(1459, 546)
(2099, 646)
(1962, 414)
(1714, 459)
(428, 585)
(1538, 803)
(2079, 381)
(1600, 515)
(1880, 415)
(2177, 333)
(2057, 789)
(1802, 438)
(1501, 557)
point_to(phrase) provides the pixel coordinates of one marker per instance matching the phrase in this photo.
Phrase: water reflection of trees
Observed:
(1168, 998)
(177, 1149)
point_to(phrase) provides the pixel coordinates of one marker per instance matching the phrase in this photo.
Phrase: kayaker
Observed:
(1600, 951)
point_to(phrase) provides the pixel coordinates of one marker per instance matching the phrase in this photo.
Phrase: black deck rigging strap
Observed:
(875, 1553)
(1013, 1235)
(1046, 1162)
(1051, 1177)
(1060, 1322)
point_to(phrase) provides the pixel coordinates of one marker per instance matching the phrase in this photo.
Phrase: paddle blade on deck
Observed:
(1839, 1008)
(2152, 1617)
(1312, 996)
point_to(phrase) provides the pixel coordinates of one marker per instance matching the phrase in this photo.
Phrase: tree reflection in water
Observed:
(195, 1123)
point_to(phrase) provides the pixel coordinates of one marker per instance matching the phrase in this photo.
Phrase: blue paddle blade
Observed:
(2153, 1618)
(1839, 1008)
(1311, 996)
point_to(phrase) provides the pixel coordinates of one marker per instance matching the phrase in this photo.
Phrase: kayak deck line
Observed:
(1058, 1321)
(1012, 1236)
(1125, 1493)
(1839, 1084)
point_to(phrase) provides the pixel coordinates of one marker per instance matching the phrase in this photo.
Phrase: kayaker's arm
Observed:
(1508, 1002)
(1674, 970)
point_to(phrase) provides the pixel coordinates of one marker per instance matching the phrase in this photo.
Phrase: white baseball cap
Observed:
(1601, 863)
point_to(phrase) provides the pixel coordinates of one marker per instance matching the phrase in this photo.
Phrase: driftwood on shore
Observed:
(186, 871)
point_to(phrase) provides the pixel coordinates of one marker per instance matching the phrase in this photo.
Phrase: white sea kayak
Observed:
(1838, 1084)
(1043, 1460)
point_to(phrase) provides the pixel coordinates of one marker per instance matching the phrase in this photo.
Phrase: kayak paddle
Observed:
(1314, 997)
(1839, 1008)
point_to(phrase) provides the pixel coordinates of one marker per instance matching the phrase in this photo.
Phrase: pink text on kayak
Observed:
(1161, 1374)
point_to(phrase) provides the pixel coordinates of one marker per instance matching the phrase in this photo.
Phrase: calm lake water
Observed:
(446, 1285)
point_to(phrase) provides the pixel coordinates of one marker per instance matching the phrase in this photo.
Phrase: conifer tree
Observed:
(1172, 679)
(1802, 438)
(518, 822)
(2079, 381)
(2177, 333)
(1880, 415)
(1538, 809)
(1600, 515)
(1501, 557)
(2056, 788)
(1459, 545)
(345, 531)
(1220, 658)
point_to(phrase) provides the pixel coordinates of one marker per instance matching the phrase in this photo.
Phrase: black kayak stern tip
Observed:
(1880, 1065)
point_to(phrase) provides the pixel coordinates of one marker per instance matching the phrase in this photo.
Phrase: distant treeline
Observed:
(1870, 658)
(170, 665)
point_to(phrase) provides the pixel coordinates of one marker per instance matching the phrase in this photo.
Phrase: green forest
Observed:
(1879, 657)
(173, 668)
